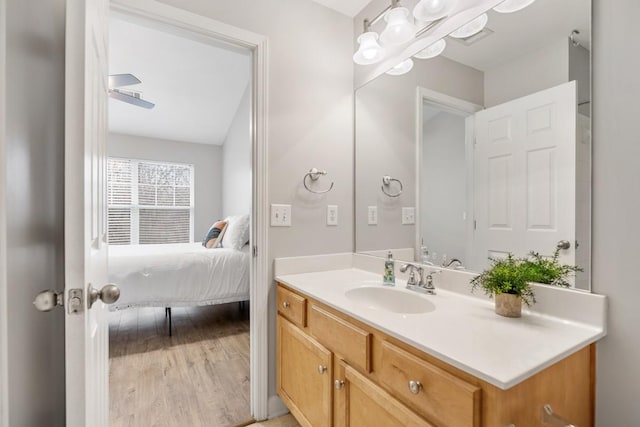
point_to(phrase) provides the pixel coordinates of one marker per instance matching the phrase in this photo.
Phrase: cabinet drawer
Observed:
(351, 342)
(437, 395)
(292, 306)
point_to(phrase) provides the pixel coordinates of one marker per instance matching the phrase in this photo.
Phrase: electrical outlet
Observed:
(408, 216)
(372, 215)
(332, 215)
(280, 215)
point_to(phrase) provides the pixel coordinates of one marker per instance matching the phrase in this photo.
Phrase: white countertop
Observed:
(463, 331)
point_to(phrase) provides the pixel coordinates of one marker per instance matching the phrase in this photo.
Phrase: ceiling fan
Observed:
(116, 81)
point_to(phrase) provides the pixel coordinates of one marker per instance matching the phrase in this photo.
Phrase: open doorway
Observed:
(179, 178)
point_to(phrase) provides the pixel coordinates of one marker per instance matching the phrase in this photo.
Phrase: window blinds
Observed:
(149, 202)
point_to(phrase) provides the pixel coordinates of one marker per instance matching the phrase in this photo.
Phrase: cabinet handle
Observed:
(415, 386)
(322, 369)
(338, 384)
(285, 304)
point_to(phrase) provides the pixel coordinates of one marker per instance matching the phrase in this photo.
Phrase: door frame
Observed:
(456, 106)
(259, 290)
(4, 368)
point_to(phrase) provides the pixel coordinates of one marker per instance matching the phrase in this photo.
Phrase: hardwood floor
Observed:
(197, 377)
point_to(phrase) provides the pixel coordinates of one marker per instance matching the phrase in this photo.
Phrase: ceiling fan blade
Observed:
(131, 99)
(119, 80)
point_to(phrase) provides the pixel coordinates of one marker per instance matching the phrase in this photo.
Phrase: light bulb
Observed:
(399, 30)
(402, 68)
(471, 28)
(369, 51)
(432, 50)
(509, 6)
(431, 10)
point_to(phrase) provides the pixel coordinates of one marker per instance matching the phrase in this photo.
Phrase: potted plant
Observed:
(509, 279)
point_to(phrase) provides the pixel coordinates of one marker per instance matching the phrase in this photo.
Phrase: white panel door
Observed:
(525, 172)
(87, 397)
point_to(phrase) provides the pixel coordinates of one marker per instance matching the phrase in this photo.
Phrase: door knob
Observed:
(563, 244)
(108, 294)
(47, 300)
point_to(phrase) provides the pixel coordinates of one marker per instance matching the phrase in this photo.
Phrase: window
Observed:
(149, 202)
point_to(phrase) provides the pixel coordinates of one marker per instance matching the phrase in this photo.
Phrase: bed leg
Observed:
(168, 311)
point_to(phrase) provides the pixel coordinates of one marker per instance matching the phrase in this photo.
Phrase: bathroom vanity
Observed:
(348, 353)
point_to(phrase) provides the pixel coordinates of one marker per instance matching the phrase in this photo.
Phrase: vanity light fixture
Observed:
(432, 51)
(370, 51)
(402, 68)
(399, 30)
(471, 28)
(432, 10)
(510, 6)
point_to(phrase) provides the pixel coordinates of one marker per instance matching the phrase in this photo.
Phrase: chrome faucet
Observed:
(421, 284)
(412, 274)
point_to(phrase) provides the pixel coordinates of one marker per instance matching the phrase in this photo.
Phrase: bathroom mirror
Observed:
(485, 149)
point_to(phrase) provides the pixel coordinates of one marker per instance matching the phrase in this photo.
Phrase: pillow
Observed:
(215, 234)
(237, 233)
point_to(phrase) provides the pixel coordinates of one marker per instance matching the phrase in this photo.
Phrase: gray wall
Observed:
(616, 202)
(34, 173)
(530, 73)
(207, 163)
(236, 161)
(310, 120)
(386, 143)
(444, 186)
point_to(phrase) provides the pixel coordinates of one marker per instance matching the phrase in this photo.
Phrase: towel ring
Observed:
(314, 174)
(386, 181)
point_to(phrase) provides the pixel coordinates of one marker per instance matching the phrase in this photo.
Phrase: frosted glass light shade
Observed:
(471, 28)
(399, 30)
(402, 68)
(431, 10)
(432, 51)
(370, 50)
(509, 6)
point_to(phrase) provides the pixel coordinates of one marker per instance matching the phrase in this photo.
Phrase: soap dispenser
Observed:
(389, 277)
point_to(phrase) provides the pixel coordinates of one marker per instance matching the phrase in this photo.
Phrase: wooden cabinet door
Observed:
(305, 374)
(362, 403)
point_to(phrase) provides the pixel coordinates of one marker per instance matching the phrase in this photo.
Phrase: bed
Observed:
(178, 275)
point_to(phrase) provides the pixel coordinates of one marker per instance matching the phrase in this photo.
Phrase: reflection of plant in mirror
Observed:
(549, 270)
(514, 276)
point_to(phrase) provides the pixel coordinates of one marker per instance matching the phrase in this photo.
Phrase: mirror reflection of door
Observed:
(525, 165)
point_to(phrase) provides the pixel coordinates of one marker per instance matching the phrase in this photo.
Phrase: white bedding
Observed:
(183, 274)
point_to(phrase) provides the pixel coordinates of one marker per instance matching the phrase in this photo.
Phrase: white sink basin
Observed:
(389, 299)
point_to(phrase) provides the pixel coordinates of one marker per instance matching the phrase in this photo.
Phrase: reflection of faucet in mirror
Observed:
(456, 261)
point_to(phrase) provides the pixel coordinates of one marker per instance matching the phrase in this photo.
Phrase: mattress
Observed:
(175, 275)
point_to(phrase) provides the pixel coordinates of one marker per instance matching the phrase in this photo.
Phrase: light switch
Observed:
(280, 215)
(332, 215)
(408, 216)
(372, 215)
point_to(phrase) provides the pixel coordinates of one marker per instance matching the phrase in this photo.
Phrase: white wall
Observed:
(310, 122)
(530, 73)
(444, 186)
(386, 144)
(616, 203)
(207, 163)
(34, 174)
(236, 161)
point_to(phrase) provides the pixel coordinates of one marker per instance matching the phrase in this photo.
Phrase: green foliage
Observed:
(514, 276)
(548, 270)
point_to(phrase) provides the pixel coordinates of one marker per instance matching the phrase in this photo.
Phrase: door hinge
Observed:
(475, 224)
(255, 251)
